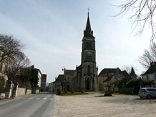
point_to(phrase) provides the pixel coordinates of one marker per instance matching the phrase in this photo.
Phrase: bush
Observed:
(58, 92)
(134, 85)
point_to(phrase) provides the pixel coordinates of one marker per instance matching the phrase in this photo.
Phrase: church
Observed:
(87, 77)
(84, 77)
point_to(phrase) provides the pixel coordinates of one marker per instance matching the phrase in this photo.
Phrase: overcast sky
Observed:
(52, 31)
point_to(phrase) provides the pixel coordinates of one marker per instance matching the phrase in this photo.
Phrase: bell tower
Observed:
(88, 60)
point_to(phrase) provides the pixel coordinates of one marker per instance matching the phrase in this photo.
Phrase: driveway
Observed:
(97, 105)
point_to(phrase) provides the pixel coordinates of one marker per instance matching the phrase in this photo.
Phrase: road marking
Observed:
(40, 98)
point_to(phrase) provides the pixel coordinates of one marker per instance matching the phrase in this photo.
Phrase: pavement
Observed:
(98, 105)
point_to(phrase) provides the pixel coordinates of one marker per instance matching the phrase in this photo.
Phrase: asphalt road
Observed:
(33, 105)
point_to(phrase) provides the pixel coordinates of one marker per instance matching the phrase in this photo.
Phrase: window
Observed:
(88, 69)
(147, 77)
(150, 89)
(88, 45)
(89, 56)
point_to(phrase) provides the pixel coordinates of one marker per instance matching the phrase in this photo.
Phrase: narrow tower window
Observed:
(88, 69)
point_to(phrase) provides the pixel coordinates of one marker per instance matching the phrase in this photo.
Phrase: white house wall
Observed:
(150, 77)
(39, 79)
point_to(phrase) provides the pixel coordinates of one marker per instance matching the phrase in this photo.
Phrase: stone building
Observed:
(111, 77)
(43, 82)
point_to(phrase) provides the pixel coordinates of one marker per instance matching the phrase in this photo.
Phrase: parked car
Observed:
(147, 93)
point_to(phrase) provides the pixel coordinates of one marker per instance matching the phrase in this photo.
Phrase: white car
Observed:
(147, 93)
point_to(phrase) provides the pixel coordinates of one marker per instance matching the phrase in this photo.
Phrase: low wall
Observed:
(37, 91)
(21, 91)
(28, 91)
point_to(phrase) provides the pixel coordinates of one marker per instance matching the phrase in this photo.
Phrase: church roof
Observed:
(69, 72)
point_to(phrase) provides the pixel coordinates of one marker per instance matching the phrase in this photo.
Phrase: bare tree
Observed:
(148, 56)
(129, 68)
(9, 47)
(13, 66)
(143, 13)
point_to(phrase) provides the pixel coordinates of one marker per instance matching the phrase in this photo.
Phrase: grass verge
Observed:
(72, 94)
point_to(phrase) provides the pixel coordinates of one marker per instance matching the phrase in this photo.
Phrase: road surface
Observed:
(33, 105)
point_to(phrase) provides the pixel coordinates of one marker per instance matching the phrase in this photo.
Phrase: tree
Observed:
(130, 70)
(9, 47)
(13, 66)
(143, 13)
(12, 56)
(2, 83)
(25, 76)
(148, 56)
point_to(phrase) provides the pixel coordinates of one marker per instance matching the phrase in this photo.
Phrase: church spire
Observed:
(88, 31)
(88, 26)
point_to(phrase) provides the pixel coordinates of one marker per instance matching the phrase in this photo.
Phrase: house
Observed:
(30, 77)
(150, 74)
(43, 82)
(37, 75)
(59, 82)
(50, 87)
(111, 77)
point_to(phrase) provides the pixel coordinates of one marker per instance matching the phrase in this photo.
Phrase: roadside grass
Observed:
(72, 94)
(117, 93)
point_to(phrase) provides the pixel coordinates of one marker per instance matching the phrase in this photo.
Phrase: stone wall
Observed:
(28, 91)
(23, 91)
(37, 91)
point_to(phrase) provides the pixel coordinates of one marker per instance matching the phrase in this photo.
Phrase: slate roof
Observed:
(124, 73)
(88, 31)
(69, 72)
(133, 73)
(109, 70)
(60, 78)
(151, 69)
